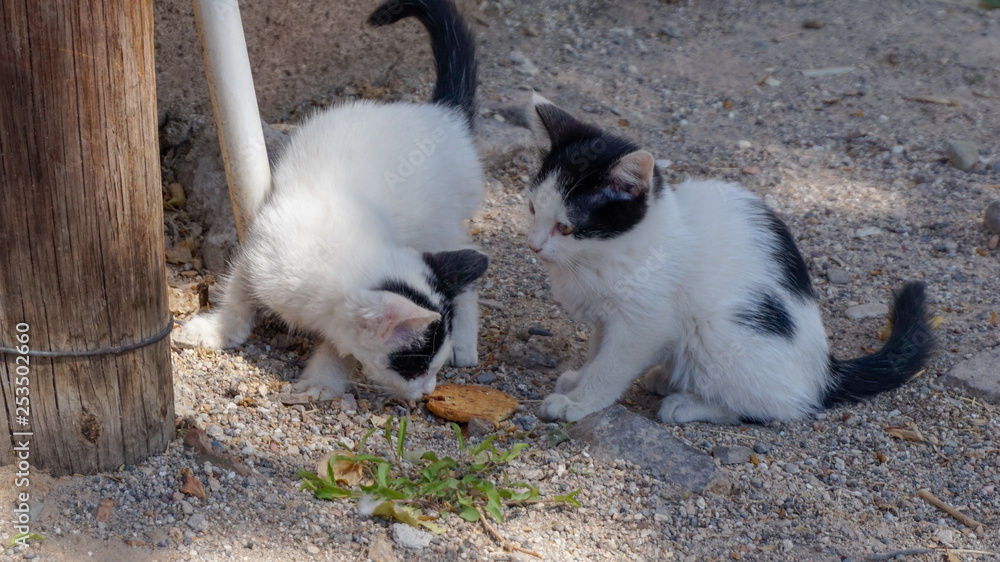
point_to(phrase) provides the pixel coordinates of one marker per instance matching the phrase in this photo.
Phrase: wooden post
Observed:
(81, 237)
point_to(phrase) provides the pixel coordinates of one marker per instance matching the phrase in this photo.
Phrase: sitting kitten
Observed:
(361, 238)
(701, 280)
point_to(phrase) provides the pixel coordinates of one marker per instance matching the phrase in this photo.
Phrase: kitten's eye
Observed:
(565, 229)
(531, 207)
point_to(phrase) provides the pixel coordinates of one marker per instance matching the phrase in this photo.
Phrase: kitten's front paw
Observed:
(319, 389)
(685, 408)
(464, 356)
(210, 330)
(562, 407)
(567, 382)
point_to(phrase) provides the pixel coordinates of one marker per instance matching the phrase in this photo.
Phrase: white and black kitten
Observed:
(700, 280)
(362, 239)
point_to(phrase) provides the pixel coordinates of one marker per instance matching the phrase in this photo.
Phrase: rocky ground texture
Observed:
(869, 127)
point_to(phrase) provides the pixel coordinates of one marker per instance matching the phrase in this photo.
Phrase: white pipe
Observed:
(234, 103)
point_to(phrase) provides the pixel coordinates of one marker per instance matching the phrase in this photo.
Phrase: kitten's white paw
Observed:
(567, 382)
(318, 390)
(685, 408)
(464, 356)
(323, 378)
(212, 331)
(562, 407)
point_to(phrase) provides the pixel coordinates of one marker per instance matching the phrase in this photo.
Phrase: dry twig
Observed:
(933, 99)
(503, 542)
(938, 503)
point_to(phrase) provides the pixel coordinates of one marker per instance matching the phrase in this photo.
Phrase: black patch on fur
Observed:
(794, 273)
(453, 45)
(455, 270)
(413, 361)
(768, 315)
(582, 158)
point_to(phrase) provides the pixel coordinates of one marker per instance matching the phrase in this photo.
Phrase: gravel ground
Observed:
(859, 172)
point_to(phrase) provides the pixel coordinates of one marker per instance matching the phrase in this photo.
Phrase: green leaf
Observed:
(388, 430)
(458, 436)
(23, 538)
(569, 498)
(382, 475)
(433, 527)
(361, 444)
(512, 453)
(405, 514)
(435, 487)
(486, 444)
(330, 492)
(400, 437)
(469, 513)
(429, 456)
(390, 494)
(414, 457)
(435, 470)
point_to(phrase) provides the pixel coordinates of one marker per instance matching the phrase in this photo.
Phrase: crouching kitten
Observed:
(362, 239)
(700, 280)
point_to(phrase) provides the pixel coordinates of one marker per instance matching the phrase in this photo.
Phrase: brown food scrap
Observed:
(104, 510)
(193, 487)
(905, 434)
(460, 403)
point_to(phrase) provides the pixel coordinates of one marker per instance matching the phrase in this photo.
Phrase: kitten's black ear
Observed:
(633, 173)
(562, 127)
(456, 269)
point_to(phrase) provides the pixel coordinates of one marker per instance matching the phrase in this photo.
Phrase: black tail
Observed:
(903, 355)
(453, 45)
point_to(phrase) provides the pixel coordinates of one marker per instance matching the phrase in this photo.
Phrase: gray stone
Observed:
(870, 310)
(478, 427)
(732, 455)
(410, 537)
(197, 522)
(761, 448)
(499, 143)
(838, 276)
(182, 339)
(962, 154)
(35, 511)
(157, 536)
(214, 431)
(486, 377)
(209, 204)
(380, 550)
(524, 64)
(219, 244)
(186, 507)
(980, 375)
(616, 433)
(992, 219)
(867, 231)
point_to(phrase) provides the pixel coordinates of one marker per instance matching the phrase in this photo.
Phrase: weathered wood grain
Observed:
(81, 231)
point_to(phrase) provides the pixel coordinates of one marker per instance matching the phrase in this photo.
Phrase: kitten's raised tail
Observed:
(452, 43)
(901, 358)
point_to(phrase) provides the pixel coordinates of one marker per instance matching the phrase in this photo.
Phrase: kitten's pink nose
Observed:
(534, 248)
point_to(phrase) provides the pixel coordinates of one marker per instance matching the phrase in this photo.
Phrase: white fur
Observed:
(360, 192)
(665, 294)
